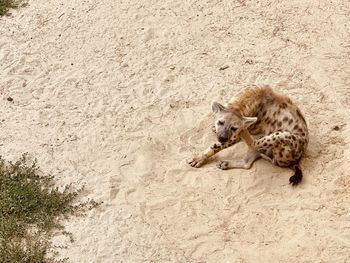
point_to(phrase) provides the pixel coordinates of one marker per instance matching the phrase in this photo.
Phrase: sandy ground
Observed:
(115, 95)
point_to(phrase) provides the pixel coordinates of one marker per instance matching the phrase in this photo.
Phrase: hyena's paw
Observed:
(196, 162)
(223, 165)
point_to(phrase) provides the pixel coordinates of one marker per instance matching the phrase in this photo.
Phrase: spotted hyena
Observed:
(269, 123)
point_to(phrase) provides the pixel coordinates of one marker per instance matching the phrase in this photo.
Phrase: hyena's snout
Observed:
(223, 137)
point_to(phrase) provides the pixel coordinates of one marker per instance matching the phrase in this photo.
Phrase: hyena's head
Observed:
(229, 123)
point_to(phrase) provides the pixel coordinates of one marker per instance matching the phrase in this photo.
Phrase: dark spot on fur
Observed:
(216, 146)
(303, 134)
(283, 105)
(290, 121)
(277, 133)
(296, 127)
(293, 153)
(263, 151)
(270, 144)
(293, 137)
(281, 154)
(273, 123)
(265, 144)
(300, 130)
(279, 124)
(282, 149)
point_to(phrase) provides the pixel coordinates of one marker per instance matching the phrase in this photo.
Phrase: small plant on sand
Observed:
(5, 5)
(30, 207)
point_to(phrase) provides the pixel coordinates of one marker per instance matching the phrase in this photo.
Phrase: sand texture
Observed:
(115, 95)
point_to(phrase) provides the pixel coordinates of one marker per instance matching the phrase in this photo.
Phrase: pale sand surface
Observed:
(115, 95)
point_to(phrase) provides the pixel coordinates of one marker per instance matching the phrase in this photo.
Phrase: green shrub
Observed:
(30, 207)
(5, 5)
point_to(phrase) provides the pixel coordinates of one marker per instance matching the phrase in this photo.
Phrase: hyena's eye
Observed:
(221, 122)
(233, 129)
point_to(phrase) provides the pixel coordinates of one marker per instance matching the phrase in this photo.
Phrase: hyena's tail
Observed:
(298, 175)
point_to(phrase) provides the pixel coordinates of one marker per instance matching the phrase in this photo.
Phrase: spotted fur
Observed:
(269, 123)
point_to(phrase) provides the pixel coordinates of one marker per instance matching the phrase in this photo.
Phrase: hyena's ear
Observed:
(217, 107)
(247, 121)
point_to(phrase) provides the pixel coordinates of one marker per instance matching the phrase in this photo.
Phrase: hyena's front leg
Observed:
(215, 148)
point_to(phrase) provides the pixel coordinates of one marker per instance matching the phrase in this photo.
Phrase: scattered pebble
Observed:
(336, 128)
(224, 67)
(10, 99)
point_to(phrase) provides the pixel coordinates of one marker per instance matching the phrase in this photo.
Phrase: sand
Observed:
(115, 96)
